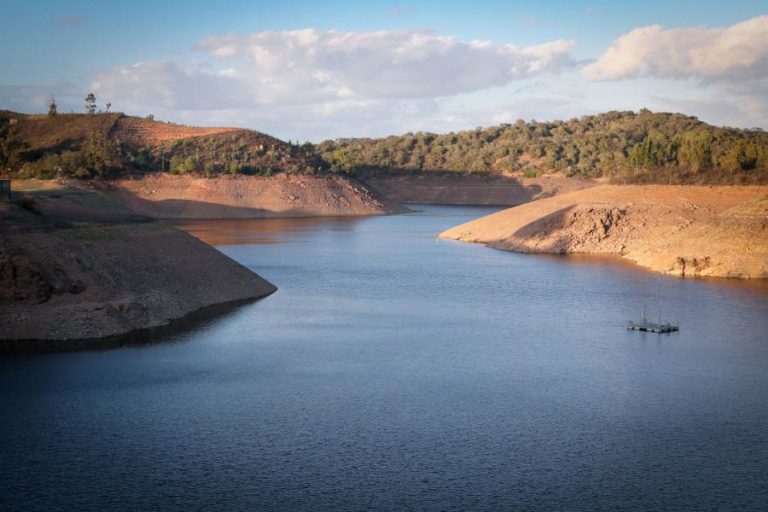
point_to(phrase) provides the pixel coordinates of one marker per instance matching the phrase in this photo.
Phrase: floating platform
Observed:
(652, 327)
(646, 326)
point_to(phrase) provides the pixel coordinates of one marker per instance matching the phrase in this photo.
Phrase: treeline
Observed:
(624, 146)
(241, 152)
(627, 147)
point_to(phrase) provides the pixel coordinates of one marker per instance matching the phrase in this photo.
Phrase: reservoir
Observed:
(393, 371)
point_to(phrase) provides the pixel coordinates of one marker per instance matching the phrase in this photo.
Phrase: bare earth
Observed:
(145, 132)
(677, 230)
(166, 196)
(80, 267)
(470, 189)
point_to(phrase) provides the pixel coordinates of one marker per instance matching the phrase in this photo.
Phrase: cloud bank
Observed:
(311, 66)
(732, 53)
(316, 84)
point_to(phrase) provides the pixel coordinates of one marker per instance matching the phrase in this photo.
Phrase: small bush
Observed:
(28, 203)
(531, 173)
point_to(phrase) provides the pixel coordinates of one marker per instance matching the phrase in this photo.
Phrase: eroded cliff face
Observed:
(683, 231)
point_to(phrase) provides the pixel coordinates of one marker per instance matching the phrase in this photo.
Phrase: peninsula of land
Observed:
(677, 230)
(79, 270)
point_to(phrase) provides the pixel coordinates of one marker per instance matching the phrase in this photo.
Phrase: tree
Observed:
(53, 109)
(109, 105)
(343, 162)
(90, 103)
(11, 146)
(97, 154)
(695, 153)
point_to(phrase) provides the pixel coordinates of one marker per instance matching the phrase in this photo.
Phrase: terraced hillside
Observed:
(145, 132)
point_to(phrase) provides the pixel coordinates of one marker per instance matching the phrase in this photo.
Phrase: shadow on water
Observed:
(168, 333)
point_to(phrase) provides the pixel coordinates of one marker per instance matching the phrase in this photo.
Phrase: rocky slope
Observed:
(165, 196)
(78, 270)
(683, 231)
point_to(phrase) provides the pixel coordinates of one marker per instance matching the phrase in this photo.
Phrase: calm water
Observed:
(392, 371)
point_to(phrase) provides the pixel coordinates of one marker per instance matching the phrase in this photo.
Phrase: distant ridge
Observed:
(626, 147)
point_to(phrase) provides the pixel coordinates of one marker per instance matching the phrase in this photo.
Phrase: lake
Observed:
(393, 371)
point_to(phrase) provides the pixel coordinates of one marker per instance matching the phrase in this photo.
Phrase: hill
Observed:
(109, 145)
(683, 231)
(78, 270)
(626, 147)
(165, 196)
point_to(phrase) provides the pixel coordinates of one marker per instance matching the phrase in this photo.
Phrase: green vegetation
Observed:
(627, 147)
(89, 146)
(239, 152)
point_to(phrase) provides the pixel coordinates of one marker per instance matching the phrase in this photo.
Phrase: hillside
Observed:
(78, 270)
(626, 147)
(164, 170)
(504, 189)
(145, 132)
(110, 145)
(167, 196)
(683, 231)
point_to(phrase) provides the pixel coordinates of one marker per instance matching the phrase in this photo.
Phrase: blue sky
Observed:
(374, 68)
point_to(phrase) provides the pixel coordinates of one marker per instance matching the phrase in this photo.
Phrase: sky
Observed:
(311, 70)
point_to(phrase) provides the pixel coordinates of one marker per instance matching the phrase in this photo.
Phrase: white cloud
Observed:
(311, 66)
(312, 85)
(732, 53)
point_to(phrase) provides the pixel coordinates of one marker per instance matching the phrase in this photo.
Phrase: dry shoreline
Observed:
(134, 338)
(677, 230)
(82, 264)
(185, 197)
(79, 271)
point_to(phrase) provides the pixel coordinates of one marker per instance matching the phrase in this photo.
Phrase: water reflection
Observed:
(262, 231)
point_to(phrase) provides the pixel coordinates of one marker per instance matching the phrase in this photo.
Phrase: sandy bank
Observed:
(79, 268)
(469, 189)
(677, 230)
(165, 196)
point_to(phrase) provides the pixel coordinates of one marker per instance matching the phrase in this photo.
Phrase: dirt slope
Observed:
(470, 189)
(166, 196)
(144, 132)
(684, 231)
(76, 268)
